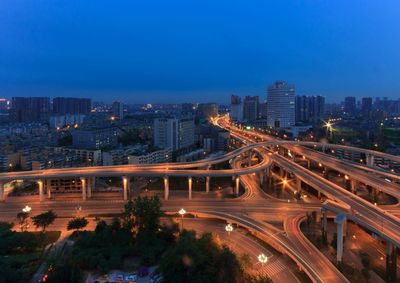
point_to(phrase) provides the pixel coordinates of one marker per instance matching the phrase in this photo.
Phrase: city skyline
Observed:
(162, 52)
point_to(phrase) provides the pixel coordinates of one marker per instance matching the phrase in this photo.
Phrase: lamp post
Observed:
(78, 209)
(27, 209)
(229, 228)
(23, 217)
(262, 258)
(182, 212)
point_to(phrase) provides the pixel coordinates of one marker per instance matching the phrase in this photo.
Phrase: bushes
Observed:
(200, 260)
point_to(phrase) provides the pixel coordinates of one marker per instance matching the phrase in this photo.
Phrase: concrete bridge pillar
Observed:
(340, 220)
(250, 156)
(391, 262)
(207, 184)
(261, 178)
(166, 187)
(326, 171)
(2, 193)
(41, 193)
(84, 187)
(190, 184)
(324, 223)
(354, 185)
(370, 160)
(47, 185)
(237, 184)
(298, 185)
(91, 185)
(281, 172)
(125, 185)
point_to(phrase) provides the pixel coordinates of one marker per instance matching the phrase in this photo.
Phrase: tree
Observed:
(144, 213)
(77, 223)
(44, 219)
(22, 219)
(201, 259)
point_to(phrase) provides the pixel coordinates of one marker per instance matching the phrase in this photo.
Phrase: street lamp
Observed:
(229, 228)
(182, 212)
(262, 258)
(78, 209)
(27, 209)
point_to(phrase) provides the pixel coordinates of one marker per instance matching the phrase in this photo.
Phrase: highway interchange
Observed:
(251, 209)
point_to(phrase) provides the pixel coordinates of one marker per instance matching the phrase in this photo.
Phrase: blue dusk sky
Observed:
(198, 51)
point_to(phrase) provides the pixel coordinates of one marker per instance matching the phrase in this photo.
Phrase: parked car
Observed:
(131, 278)
(143, 271)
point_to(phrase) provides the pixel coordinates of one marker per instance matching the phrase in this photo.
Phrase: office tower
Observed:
(310, 109)
(236, 114)
(71, 105)
(250, 108)
(29, 109)
(173, 133)
(350, 105)
(262, 110)
(366, 106)
(118, 110)
(207, 110)
(188, 107)
(281, 105)
(3, 105)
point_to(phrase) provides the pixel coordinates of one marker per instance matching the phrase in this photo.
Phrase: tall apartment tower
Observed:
(71, 105)
(350, 105)
(281, 105)
(173, 133)
(29, 109)
(118, 110)
(236, 113)
(250, 108)
(207, 110)
(366, 106)
(310, 109)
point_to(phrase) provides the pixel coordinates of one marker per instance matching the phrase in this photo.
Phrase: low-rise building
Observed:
(158, 156)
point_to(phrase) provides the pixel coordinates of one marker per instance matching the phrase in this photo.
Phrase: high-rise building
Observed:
(173, 133)
(118, 110)
(29, 109)
(188, 108)
(366, 106)
(350, 105)
(250, 108)
(281, 105)
(310, 109)
(71, 105)
(262, 110)
(236, 109)
(207, 110)
(3, 105)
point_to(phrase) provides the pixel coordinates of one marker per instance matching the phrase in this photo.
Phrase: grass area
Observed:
(21, 253)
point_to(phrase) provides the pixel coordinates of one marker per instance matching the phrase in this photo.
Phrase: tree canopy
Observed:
(77, 223)
(200, 260)
(44, 219)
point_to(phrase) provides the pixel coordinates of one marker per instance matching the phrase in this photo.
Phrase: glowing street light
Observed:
(229, 228)
(27, 209)
(182, 212)
(262, 258)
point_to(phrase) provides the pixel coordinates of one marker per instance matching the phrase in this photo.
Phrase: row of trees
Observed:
(138, 233)
(42, 220)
